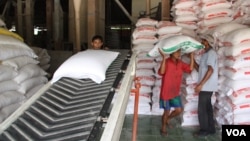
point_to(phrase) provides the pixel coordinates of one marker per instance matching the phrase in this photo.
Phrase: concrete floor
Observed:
(149, 130)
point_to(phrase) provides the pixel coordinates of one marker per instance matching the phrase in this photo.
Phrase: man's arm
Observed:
(204, 79)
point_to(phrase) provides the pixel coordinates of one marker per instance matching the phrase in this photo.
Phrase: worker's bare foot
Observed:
(163, 132)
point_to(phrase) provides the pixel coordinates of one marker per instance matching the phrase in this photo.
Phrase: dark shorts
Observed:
(167, 104)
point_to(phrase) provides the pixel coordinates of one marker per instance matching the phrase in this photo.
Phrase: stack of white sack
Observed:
(167, 29)
(213, 13)
(234, 79)
(184, 13)
(214, 35)
(145, 75)
(173, 43)
(241, 11)
(20, 75)
(156, 89)
(43, 57)
(189, 96)
(144, 35)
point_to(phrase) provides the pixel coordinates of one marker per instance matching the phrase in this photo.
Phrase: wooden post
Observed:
(92, 19)
(29, 10)
(49, 19)
(20, 18)
(77, 5)
(148, 7)
(165, 10)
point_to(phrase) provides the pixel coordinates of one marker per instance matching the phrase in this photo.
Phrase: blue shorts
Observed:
(167, 104)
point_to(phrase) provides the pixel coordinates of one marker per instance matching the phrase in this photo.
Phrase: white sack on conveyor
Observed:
(28, 71)
(19, 61)
(89, 64)
(8, 110)
(169, 45)
(10, 97)
(7, 73)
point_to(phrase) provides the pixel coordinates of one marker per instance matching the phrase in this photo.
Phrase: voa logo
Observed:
(236, 132)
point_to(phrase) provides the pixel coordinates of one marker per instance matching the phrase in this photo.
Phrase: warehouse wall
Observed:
(99, 22)
(140, 5)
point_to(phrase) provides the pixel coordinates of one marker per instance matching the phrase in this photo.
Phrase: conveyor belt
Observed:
(69, 110)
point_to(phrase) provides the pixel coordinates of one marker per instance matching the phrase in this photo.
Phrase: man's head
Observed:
(176, 54)
(97, 42)
(205, 43)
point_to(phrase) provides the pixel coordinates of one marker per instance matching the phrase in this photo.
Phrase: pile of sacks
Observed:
(233, 102)
(20, 75)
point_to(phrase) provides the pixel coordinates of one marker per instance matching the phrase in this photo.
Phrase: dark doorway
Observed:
(118, 25)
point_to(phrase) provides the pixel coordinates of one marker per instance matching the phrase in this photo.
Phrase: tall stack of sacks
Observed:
(184, 14)
(241, 12)
(167, 29)
(143, 40)
(214, 35)
(188, 95)
(233, 105)
(144, 35)
(19, 74)
(145, 73)
(213, 13)
(156, 90)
